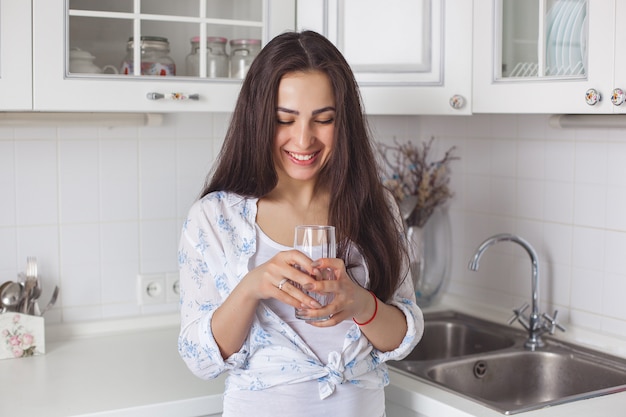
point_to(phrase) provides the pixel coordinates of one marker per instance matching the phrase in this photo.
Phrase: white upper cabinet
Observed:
(15, 57)
(85, 57)
(549, 56)
(408, 56)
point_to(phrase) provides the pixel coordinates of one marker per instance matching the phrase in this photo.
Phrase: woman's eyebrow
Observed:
(322, 110)
(286, 110)
(313, 113)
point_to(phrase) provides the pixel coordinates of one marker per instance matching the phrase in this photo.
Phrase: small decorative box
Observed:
(21, 335)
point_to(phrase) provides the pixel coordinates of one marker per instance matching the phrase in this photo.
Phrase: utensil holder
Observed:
(21, 335)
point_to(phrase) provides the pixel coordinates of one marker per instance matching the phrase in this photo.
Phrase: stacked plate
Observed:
(566, 38)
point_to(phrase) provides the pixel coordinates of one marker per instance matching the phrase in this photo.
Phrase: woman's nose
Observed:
(304, 134)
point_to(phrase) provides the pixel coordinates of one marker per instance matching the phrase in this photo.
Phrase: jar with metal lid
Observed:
(242, 53)
(216, 57)
(154, 57)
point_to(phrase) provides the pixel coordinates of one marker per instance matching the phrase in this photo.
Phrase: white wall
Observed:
(99, 205)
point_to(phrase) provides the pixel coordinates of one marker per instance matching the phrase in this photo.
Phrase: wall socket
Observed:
(157, 288)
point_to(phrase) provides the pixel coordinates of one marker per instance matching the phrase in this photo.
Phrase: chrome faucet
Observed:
(536, 323)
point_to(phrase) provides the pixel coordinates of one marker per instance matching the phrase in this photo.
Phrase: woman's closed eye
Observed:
(328, 121)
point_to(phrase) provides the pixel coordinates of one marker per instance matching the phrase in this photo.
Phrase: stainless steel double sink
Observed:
(487, 362)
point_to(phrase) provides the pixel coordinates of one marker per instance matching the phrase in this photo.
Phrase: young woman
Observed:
(297, 152)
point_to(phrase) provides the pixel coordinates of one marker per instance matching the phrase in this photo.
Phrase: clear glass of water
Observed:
(316, 242)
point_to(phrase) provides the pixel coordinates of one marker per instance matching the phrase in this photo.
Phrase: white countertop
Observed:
(131, 368)
(122, 374)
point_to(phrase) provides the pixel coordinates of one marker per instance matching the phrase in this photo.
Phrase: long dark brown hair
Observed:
(359, 209)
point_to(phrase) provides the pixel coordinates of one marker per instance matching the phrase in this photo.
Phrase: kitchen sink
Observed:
(451, 334)
(487, 362)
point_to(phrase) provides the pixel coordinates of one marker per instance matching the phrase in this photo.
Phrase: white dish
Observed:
(575, 46)
(583, 43)
(561, 26)
(552, 21)
(551, 16)
(567, 65)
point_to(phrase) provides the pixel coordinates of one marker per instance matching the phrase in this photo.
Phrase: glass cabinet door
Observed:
(541, 39)
(159, 38)
(544, 56)
(148, 55)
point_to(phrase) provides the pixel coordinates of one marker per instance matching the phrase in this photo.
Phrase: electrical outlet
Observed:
(172, 289)
(150, 289)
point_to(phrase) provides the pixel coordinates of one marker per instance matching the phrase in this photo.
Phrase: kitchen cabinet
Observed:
(15, 58)
(408, 56)
(548, 56)
(103, 30)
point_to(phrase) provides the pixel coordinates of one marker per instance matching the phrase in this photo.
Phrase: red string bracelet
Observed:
(373, 315)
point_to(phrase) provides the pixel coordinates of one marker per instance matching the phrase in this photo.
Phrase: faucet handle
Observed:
(552, 322)
(518, 313)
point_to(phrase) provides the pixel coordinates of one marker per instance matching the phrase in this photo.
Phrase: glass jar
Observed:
(154, 57)
(242, 53)
(216, 57)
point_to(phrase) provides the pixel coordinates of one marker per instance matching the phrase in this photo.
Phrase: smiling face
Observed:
(305, 116)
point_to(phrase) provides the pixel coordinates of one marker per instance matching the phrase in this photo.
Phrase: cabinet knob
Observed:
(618, 96)
(457, 102)
(172, 96)
(592, 96)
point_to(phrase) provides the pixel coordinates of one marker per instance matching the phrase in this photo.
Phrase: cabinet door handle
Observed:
(618, 97)
(172, 96)
(457, 102)
(592, 96)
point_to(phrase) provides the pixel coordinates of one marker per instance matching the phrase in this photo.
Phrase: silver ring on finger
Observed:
(281, 283)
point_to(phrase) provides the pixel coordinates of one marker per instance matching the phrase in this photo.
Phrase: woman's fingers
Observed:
(291, 293)
(349, 298)
(289, 273)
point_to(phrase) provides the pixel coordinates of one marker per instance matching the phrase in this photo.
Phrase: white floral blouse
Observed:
(218, 239)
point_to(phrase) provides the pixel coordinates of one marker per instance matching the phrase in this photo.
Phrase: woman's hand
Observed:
(232, 320)
(350, 299)
(268, 280)
(384, 325)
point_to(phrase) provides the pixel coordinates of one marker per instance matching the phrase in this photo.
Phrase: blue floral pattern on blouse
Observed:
(218, 239)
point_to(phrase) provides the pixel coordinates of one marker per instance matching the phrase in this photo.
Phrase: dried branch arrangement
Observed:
(418, 185)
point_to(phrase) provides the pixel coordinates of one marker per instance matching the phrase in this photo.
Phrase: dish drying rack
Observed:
(531, 69)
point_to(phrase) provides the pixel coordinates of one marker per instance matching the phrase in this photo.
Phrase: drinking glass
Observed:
(316, 242)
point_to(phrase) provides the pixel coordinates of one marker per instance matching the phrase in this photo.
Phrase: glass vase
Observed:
(430, 253)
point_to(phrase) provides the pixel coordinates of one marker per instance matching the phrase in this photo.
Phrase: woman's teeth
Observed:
(301, 157)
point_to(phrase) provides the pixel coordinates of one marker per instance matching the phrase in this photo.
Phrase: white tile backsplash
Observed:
(99, 205)
(590, 204)
(7, 184)
(118, 180)
(563, 190)
(559, 202)
(531, 156)
(530, 198)
(559, 161)
(36, 197)
(78, 173)
(591, 162)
